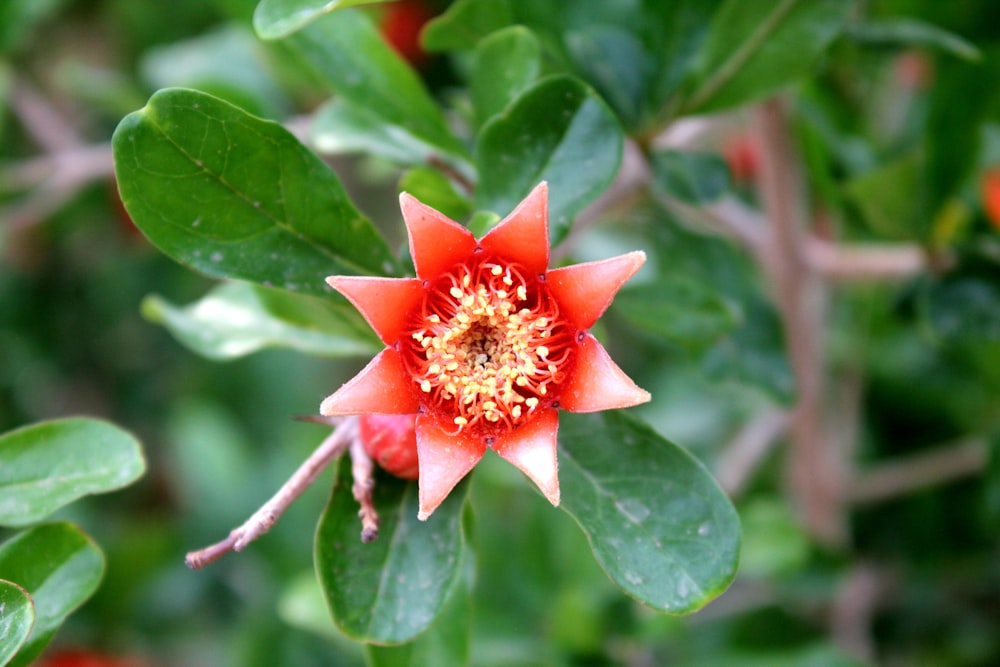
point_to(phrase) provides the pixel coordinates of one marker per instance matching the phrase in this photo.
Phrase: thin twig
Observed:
(42, 121)
(885, 261)
(853, 609)
(919, 471)
(362, 471)
(748, 449)
(814, 473)
(263, 519)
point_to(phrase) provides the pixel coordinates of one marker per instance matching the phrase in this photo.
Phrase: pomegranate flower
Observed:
(485, 345)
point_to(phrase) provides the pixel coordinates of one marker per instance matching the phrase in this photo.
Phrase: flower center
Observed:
(488, 347)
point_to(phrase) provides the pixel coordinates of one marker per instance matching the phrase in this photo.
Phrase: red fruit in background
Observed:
(742, 154)
(990, 192)
(391, 441)
(86, 658)
(401, 25)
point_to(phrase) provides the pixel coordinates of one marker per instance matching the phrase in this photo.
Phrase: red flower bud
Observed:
(990, 192)
(391, 441)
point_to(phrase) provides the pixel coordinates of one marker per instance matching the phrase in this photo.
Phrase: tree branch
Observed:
(814, 473)
(263, 519)
(918, 471)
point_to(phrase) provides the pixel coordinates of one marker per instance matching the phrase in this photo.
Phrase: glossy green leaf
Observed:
(658, 523)
(433, 188)
(464, 23)
(347, 51)
(445, 643)
(17, 615)
(50, 464)
(910, 32)
(633, 53)
(678, 310)
(60, 567)
(390, 590)
(504, 65)
(234, 196)
(754, 48)
(556, 131)
(692, 177)
(277, 18)
(965, 307)
(236, 319)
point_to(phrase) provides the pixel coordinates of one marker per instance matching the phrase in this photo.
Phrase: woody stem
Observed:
(263, 519)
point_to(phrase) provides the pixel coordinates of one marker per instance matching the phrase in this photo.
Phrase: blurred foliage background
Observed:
(897, 130)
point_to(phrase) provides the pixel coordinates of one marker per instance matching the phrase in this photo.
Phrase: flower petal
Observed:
(445, 457)
(384, 302)
(532, 448)
(584, 291)
(597, 383)
(382, 387)
(523, 236)
(437, 242)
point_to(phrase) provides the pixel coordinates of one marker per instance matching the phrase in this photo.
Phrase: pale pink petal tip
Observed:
(598, 383)
(532, 449)
(523, 236)
(444, 458)
(437, 242)
(382, 387)
(584, 291)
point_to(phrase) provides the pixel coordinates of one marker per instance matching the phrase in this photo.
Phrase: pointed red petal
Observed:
(437, 242)
(523, 236)
(532, 448)
(445, 457)
(584, 291)
(385, 302)
(597, 382)
(382, 387)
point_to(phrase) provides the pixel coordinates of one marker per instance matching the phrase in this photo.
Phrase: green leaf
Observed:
(340, 126)
(18, 18)
(910, 32)
(390, 590)
(556, 131)
(278, 18)
(504, 65)
(234, 196)
(888, 197)
(955, 131)
(754, 354)
(228, 63)
(431, 187)
(658, 523)
(346, 50)
(60, 567)
(445, 643)
(464, 23)
(236, 319)
(965, 307)
(48, 465)
(17, 615)
(680, 310)
(754, 48)
(692, 177)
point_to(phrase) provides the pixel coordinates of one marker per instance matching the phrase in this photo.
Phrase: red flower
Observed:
(485, 344)
(990, 191)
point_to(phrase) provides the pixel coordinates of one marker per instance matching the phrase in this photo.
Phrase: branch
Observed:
(363, 470)
(263, 519)
(40, 118)
(814, 474)
(866, 262)
(747, 450)
(919, 471)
